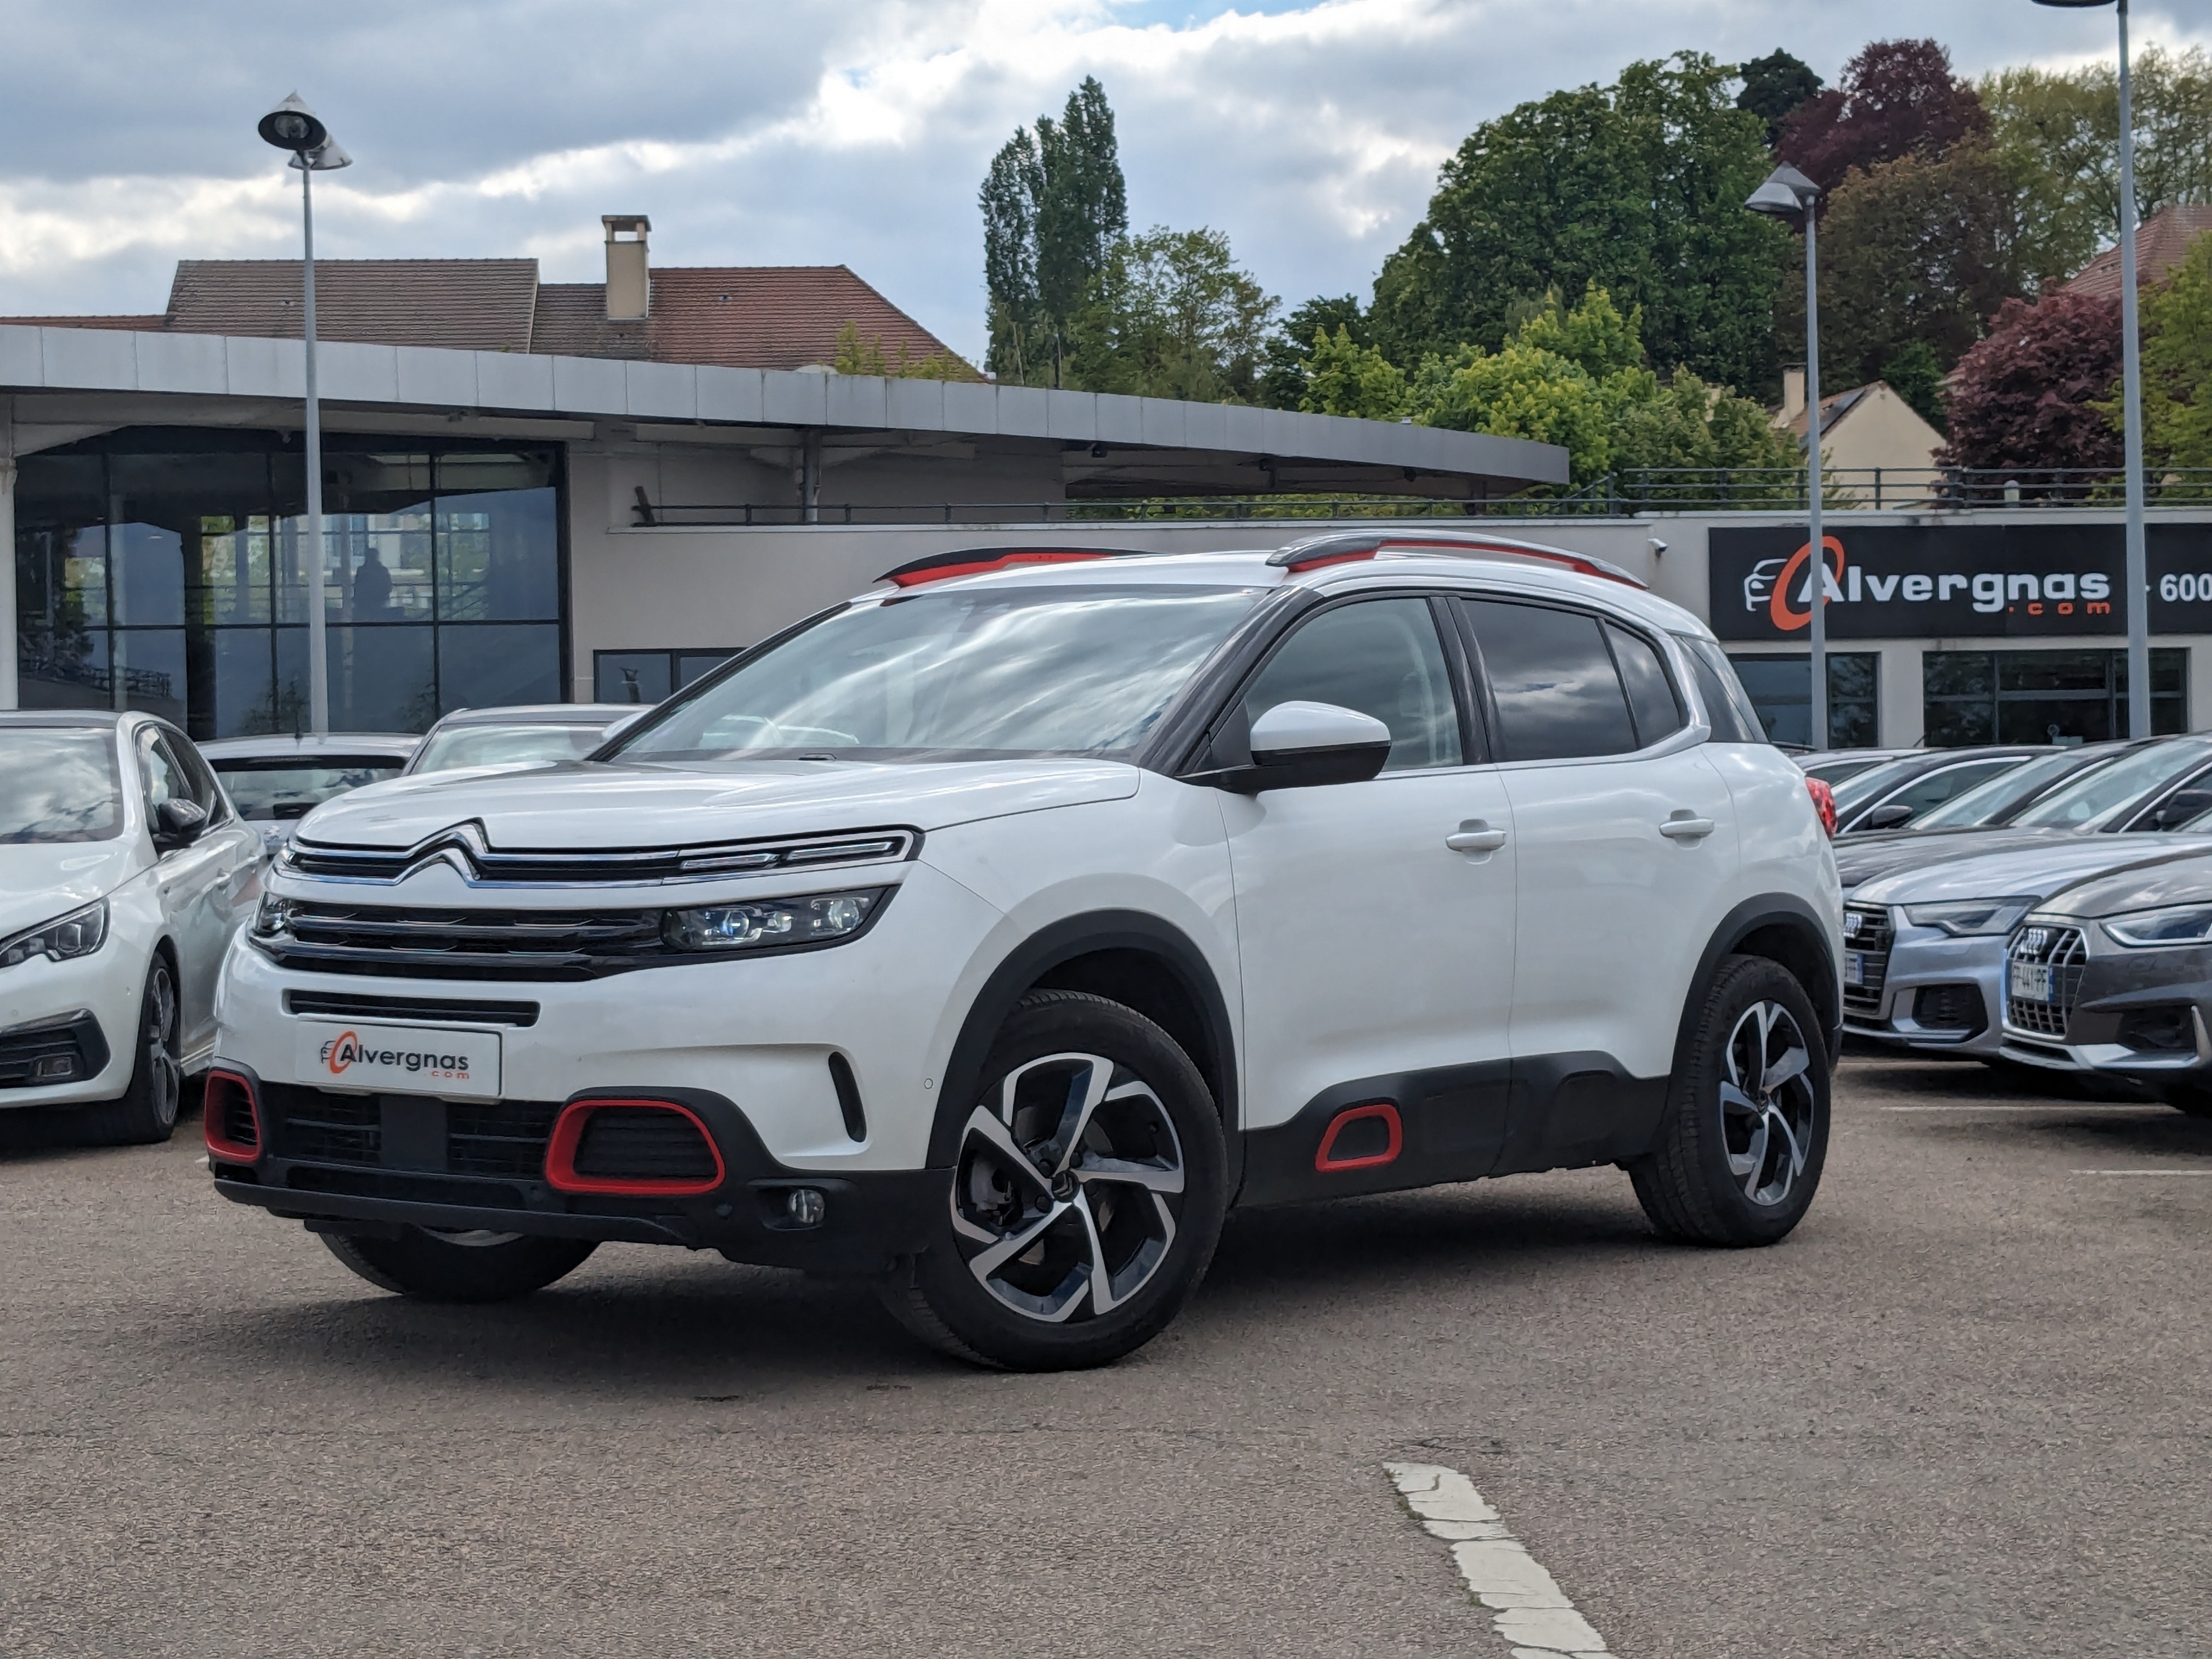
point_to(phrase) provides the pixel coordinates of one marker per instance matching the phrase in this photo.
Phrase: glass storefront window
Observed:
(2046, 696)
(1781, 690)
(645, 676)
(165, 569)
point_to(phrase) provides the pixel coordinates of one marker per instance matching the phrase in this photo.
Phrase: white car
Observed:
(520, 736)
(991, 934)
(123, 873)
(276, 780)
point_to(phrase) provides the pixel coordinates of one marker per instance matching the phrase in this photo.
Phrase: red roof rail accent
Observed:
(1345, 547)
(975, 561)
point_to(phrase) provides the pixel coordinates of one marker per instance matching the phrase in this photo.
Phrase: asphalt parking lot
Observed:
(1964, 1410)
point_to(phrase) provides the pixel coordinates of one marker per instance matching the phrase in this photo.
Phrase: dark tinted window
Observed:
(1381, 657)
(1552, 681)
(1651, 694)
(1940, 786)
(1722, 693)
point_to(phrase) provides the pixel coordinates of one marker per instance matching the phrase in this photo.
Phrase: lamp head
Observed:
(1785, 193)
(292, 125)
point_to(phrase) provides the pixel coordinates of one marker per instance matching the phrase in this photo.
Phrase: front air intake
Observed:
(637, 1147)
(232, 1120)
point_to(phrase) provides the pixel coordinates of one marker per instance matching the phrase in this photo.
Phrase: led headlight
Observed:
(1964, 918)
(76, 934)
(773, 924)
(272, 918)
(2184, 924)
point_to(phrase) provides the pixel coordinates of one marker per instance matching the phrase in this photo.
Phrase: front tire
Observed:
(1740, 1150)
(146, 1113)
(436, 1267)
(1087, 1194)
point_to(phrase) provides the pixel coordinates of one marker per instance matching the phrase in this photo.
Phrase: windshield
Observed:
(505, 746)
(1988, 801)
(1834, 772)
(1854, 793)
(973, 674)
(273, 789)
(2087, 799)
(59, 786)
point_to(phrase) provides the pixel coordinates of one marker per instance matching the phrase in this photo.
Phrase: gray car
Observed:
(1924, 950)
(276, 780)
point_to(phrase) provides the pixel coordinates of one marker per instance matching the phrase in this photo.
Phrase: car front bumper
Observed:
(94, 998)
(1960, 1012)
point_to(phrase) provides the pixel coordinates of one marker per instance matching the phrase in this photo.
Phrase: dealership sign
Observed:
(1898, 582)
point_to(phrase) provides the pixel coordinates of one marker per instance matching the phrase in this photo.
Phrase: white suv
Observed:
(993, 933)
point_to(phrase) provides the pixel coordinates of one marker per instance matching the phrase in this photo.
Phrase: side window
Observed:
(158, 769)
(1381, 657)
(1722, 694)
(1941, 785)
(1552, 681)
(199, 780)
(1651, 697)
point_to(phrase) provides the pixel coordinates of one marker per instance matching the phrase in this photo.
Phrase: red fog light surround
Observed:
(1328, 1161)
(232, 1119)
(563, 1177)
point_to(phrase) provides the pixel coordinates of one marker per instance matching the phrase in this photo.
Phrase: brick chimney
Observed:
(1793, 380)
(630, 285)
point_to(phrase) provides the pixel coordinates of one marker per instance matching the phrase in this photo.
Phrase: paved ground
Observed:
(1964, 1411)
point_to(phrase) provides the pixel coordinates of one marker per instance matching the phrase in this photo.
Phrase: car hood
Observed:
(41, 880)
(2170, 881)
(2027, 871)
(1860, 860)
(585, 804)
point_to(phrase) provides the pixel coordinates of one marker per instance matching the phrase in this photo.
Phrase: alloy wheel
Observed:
(165, 1072)
(1066, 1194)
(1767, 1102)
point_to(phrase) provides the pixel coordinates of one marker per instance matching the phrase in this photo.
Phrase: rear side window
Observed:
(1381, 657)
(1729, 709)
(1651, 694)
(1552, 682)
(1940, 786)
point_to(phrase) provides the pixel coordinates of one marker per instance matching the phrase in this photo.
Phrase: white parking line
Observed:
(2145, 1172)
(2055, 1106)
(1530, 1612)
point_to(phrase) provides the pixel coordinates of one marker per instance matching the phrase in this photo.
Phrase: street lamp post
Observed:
(2138, 566)
(1789, 194)
(293, 126)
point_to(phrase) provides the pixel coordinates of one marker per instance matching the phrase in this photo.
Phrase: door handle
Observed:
(1475, 836)
(1682, 824)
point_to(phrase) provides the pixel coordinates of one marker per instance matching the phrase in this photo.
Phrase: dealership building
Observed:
(595, 491)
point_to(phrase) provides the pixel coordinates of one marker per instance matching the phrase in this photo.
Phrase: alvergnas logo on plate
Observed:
(346, 1050)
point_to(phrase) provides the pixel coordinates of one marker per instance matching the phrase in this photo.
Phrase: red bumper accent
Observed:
(228, 1095)
(563, 1176)
(1327, 1161)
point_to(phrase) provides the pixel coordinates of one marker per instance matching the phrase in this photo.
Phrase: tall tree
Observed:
(1283, 380)
(1774, 87)
(1054, 206)
(1171, 315)
(2177, 361)
(1898, 97)
(2027, 395)
(2058, 133)
(1638, 186)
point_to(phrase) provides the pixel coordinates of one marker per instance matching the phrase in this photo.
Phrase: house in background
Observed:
(1875, 448)
(2162, 243)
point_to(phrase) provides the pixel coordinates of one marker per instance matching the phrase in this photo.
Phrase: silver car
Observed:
(277, 779)
(1924, 950)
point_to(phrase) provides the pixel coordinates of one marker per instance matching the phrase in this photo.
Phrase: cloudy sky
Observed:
(821, 131)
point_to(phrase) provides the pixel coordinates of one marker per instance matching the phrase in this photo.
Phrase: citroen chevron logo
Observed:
(462, 846)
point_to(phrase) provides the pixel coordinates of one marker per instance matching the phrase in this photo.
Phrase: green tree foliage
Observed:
(1054, 207)
(860, 355)
(1916, 374)
(2058, 133)
(1921, 250)
(1342, 376)
(1774, 87)
(1638, 186)
(2177, 362)
(1171, 315)
(1283, 382)
(1577, 378)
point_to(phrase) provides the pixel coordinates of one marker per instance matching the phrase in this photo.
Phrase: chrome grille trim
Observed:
(1872, 938)
(467, 849)
(2067, 952)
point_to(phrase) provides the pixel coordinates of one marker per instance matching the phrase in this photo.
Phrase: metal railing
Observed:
(1617, 495)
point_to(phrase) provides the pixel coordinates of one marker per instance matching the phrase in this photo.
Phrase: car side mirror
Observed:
(178, 822)
(1302, 745)
(1894, 816)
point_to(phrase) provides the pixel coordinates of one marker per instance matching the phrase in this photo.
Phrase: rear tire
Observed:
(146, 1113)
(1740, 1150)
(1086, 1200)
(462, 1266)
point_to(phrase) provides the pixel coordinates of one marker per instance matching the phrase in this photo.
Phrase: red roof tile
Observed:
(2162, 243)
(482, 305)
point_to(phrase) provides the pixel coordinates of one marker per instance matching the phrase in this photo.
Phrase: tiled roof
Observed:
(477, 305)
(738, 316)
(130, 324)
(1833, 408)
(2162, 241)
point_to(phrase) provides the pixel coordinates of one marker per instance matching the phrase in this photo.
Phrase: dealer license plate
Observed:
(2031, 981)
(400, 1060)
(1854, 968)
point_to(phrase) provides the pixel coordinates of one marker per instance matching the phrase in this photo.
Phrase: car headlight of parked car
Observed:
(773, 924)
(79, 933)
(2185, 924)
(270, 919)
(1965, 918)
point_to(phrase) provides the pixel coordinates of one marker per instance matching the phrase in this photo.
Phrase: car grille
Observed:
(1867, 931)
(339, 1005)
(643, 1142)
(467, 847)
(2064, 949)
(425, 944)
(498, 1138)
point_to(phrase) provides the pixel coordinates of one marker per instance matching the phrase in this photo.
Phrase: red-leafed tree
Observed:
(1898, 97)
(2026, 396)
